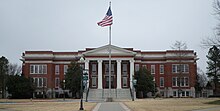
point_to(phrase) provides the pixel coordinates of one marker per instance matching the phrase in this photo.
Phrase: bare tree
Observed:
(211, 41)
(14, 69)
(202, 78)
(180, 52)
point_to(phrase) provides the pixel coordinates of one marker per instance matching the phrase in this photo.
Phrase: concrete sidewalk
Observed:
(111, 106)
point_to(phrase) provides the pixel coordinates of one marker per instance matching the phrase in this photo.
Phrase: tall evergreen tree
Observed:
(3, 74)
(73, 78)
(214, 66)
(145, 82)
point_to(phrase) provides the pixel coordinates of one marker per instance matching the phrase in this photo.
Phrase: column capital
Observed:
(99, 60)
(119, 60)
(131, 60)
(86, 60)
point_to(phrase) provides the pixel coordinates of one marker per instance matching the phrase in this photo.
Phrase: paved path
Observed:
(111, 106)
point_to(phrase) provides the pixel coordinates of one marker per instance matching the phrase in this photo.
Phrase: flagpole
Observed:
(110, 57)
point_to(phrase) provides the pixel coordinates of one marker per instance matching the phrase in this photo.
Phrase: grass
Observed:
(216, 102)
(44, 105)
(171, 104)
(159, 104)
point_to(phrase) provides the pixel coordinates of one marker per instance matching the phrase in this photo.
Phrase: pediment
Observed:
(104, 51)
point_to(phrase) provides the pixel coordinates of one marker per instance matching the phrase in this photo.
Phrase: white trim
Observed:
(115, 51)
(61, 62)
(154, 62)
(39, 62)
(179, 61)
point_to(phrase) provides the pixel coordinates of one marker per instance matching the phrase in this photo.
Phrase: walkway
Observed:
(111, 106)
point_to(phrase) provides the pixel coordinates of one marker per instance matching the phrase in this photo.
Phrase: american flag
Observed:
(108, 19)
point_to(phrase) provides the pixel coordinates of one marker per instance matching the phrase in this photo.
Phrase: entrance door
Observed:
(107, 82)
(106, 75)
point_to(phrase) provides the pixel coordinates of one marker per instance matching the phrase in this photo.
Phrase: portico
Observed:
(122, 67)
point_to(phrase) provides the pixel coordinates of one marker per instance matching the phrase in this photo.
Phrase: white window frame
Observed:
(176, 68)
(124, 81)
(94, 80)
(65, 67)
(57, 82)
(94, 69)
(162, 81)
(185, 83)
(124, 69)
(57, 69)
(161, 69)
(176, 82)
(38, 69)
(152, 68)
(43, 80)
(137, 67)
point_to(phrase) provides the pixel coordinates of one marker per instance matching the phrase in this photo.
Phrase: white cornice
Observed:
(103, 51)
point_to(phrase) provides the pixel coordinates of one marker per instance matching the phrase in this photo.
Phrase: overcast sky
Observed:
(71, 25)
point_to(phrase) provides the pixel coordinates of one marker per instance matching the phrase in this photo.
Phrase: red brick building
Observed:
(48, 68)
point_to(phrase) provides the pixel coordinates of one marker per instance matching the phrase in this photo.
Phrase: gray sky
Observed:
(71, 25)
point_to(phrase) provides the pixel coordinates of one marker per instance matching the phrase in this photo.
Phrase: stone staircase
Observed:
(99, 94)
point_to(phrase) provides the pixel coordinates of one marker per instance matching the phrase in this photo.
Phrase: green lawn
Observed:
(216, 102)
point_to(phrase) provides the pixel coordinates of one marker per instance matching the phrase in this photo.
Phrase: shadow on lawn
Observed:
(216, 102)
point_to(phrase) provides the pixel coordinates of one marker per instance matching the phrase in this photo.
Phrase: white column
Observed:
(87, 67)
(131, 72)
(99, 74)
(118, 74)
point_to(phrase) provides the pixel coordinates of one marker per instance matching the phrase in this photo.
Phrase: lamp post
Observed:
(81, 91)
(64, 89)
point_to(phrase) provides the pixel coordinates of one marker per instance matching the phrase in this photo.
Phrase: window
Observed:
(124, 69)
(65, 69)
(57, 69)
(113, 68)
(32, 69)
(125, 83)
(176, 68)
(174, 81)
(93, 81)
(161, 69)
(44, 69)
(107, 69)
(40, 82)
(174, 93)
(152, 69)
(187, 93)
(161, 81)
(182, 82)
(186, 81)
(94, 69)
(183, 93)
(57, 81)
(186, 67)
(137, 67)
(38, 69)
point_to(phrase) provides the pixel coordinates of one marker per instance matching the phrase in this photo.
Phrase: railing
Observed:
(132, 95)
